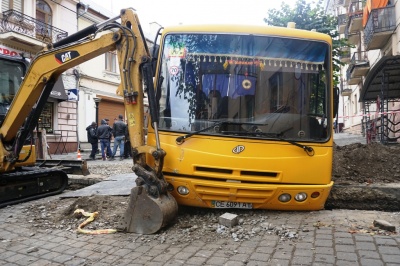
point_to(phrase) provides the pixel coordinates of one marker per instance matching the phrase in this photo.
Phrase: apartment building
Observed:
(370, 79)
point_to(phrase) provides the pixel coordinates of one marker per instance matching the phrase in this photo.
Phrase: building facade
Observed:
(370, 83)
(82, 94)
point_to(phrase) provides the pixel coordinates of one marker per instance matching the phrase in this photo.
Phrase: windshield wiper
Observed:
(181, 139)
(309, 150)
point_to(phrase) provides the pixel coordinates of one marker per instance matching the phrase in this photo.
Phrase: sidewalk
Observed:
(343, 139)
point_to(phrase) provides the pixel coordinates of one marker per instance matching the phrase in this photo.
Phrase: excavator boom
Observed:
(134, 58)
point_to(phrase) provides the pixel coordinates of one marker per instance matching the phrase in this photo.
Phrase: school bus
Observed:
(245, 116)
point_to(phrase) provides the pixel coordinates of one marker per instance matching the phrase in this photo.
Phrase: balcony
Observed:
(380, 26)
(16, 22)
(345, 90)
(355, 16)
(351, 78)
(352, 38)
(344, 54)
(359, 64)
(342, 23)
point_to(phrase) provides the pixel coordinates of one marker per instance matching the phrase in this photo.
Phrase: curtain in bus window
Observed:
(190, 76)
(217, 82)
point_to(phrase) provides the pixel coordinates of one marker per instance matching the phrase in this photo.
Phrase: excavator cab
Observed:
(12, 72)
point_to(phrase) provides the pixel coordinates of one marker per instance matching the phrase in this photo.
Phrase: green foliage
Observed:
(310, 16)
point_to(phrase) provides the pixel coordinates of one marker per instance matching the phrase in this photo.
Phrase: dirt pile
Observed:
(359, 163)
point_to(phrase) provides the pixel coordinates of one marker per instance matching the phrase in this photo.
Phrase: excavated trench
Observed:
(384, 197)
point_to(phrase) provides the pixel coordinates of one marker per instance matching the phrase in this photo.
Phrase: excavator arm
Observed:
(151, 206)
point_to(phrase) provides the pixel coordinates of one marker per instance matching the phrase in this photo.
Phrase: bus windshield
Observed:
(258, 86)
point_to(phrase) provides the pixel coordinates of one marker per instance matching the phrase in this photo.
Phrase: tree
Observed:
(310, 16)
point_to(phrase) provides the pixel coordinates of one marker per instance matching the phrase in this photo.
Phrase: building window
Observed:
(12, 4)
(44, 20)
(46, 119)
(111, 62)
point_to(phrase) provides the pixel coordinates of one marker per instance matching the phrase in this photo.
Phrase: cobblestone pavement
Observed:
(324, 238)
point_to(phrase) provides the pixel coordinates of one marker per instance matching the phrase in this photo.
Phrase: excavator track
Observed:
(30, 183)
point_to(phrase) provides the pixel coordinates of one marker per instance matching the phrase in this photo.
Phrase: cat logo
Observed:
(64, 57)
(238, 149)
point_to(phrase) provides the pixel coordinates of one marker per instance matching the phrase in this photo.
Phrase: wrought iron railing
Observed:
(342, 19)
(349, 70)
(345, 90)
(359, 58)
(14, 21)
(379, 20)
(356, 8)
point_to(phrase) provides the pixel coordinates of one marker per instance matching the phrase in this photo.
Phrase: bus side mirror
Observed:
(335, 101)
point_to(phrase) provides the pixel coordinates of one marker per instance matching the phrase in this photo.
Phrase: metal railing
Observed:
(349, 71)
(342, 19)
(359, 58)
(356, 7)
(345, 90)
(379, 20)
(14, 21)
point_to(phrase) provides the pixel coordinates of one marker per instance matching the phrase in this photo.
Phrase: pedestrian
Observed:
(92, 139)
(119, 132)
(103, 134)
(127, 148)
(109, 154)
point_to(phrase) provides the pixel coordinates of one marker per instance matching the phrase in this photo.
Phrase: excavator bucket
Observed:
(146, 214)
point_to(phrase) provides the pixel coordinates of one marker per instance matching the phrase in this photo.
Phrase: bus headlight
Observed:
(183, 190)
(300, 197)
(285, 197)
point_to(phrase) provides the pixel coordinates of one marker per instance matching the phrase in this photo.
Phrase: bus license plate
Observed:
(228, 204)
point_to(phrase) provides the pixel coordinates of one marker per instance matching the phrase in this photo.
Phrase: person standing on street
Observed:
(104, 134)
(127, 147)
(108, 154)
(119, 132)
(92, 139)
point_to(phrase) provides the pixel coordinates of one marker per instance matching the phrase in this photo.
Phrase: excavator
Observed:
(151, 206)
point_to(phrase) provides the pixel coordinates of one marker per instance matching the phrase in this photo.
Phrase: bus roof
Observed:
(249, 29)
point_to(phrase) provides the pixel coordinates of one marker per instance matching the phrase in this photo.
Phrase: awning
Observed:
(58, 91)
(384, 77)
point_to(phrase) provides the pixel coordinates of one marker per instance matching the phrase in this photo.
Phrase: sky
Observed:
(175, 12)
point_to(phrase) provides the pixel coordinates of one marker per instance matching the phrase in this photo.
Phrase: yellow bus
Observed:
(245, 116)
